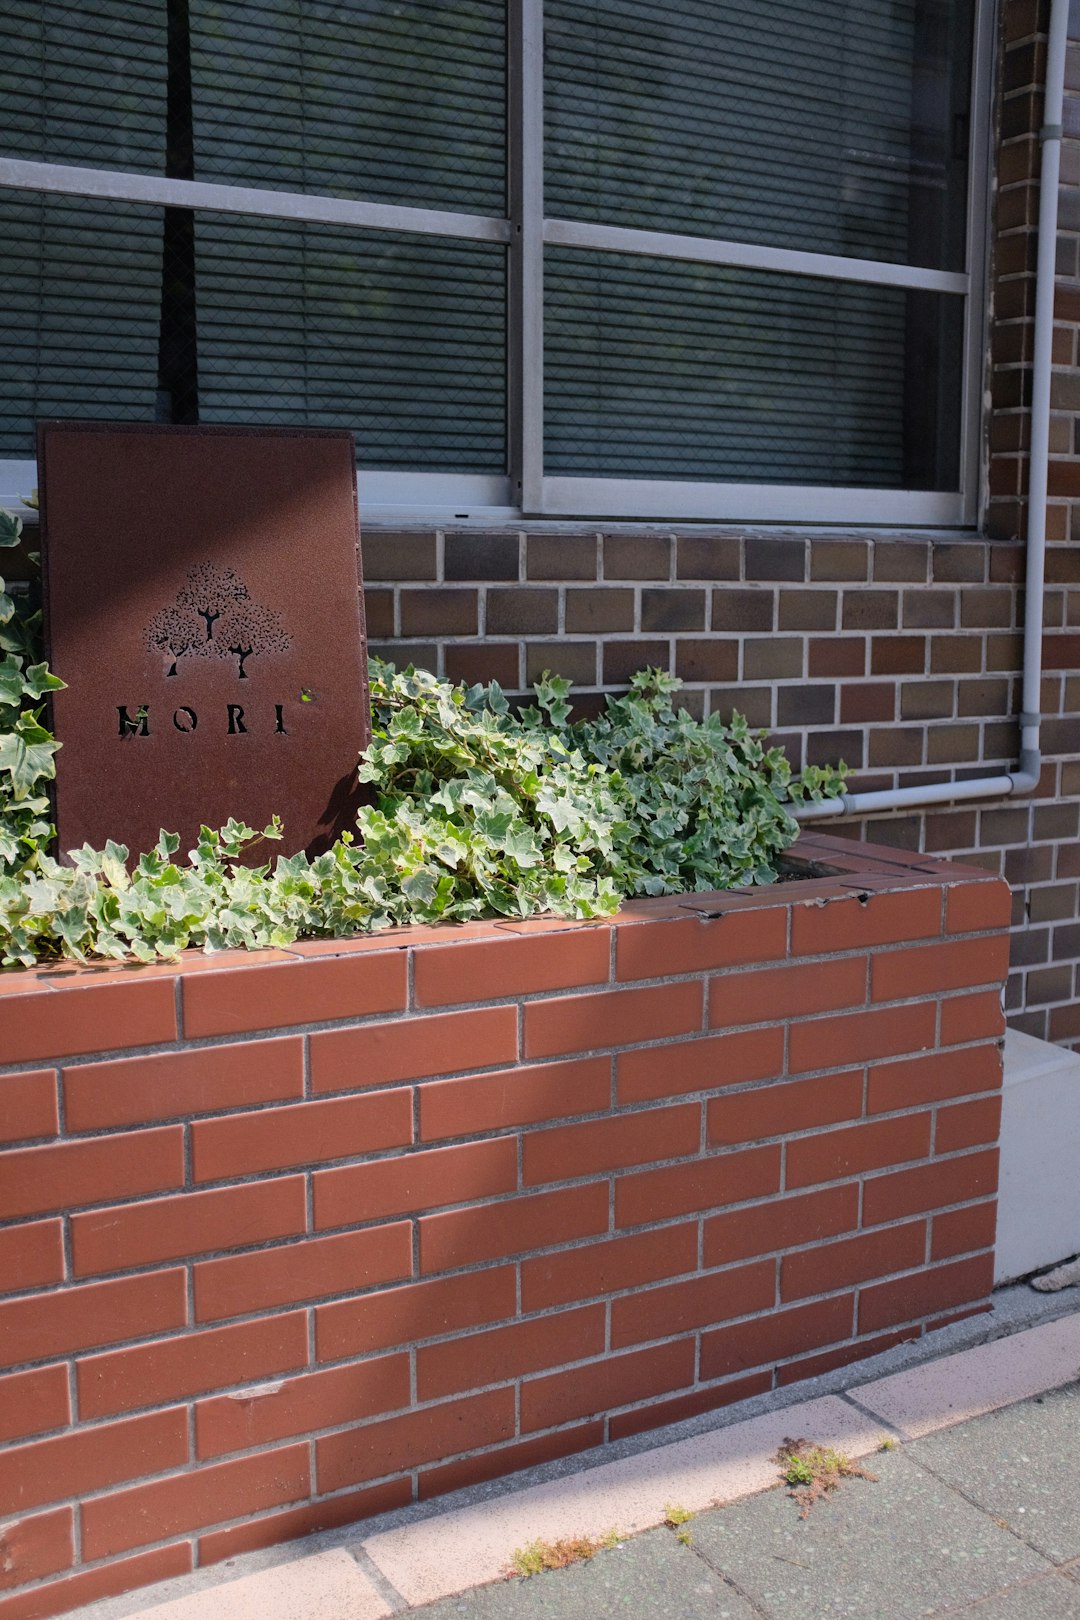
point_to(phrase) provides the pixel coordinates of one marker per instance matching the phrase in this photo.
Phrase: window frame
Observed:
(527, 491)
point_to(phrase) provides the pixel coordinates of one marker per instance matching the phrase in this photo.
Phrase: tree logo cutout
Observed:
(215, 616)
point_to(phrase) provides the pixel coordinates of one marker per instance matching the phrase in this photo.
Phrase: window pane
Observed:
(80, 300)
(401, 103)
(85, 83)
(134, 313)
(661, 369)
(838, 126)
(401, 338)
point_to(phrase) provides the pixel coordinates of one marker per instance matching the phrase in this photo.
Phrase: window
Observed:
(588, 257)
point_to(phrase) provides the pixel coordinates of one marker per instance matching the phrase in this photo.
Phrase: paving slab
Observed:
(327, 1586)
(903, 1547)
(444, 1555)
(1054, 1597)
(971, 1382)
(1021, 1465)
(650, 1576)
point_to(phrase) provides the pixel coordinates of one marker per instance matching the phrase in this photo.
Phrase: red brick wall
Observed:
(289, 1240)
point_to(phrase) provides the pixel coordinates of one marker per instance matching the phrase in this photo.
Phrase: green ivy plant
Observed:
(26, 746)
(476, 811)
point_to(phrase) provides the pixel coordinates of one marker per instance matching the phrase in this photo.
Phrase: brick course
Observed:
(427, 1256)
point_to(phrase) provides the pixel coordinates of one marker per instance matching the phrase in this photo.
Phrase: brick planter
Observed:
(292, 1238)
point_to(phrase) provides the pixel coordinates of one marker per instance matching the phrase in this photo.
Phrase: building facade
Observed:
(670, 335)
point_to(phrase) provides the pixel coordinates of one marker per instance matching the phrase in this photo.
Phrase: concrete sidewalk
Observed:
(975, 1508)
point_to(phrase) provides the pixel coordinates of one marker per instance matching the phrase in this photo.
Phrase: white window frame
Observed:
(527, 491)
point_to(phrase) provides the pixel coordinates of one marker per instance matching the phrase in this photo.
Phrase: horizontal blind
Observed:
(399, 103)
(664, 369)
(84, 84)
(829, 125)
(80, 297)
(400, 338)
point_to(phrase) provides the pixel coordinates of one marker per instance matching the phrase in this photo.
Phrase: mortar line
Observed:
(385, 1588)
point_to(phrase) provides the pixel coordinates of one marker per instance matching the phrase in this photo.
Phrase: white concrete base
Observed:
(1039, 1198)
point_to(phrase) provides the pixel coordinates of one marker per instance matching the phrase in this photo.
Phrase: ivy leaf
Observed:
(11, 680)
(27, 754)
(38, 680)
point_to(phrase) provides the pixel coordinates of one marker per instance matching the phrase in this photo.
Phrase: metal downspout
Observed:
(1026, 777)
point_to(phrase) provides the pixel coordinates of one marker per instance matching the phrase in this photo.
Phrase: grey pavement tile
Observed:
(650, 1577)
(1021, 1464)
(904, 1547)
(1052, 1598)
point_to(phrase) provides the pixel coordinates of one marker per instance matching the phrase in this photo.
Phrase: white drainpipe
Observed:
(1026, 777)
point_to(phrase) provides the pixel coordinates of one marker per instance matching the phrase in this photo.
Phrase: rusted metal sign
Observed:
(203, 603)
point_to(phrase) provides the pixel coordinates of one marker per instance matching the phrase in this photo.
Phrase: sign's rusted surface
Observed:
(203, 603)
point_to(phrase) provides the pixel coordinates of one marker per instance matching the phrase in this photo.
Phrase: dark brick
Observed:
(379, 613)
(901, 560)
(1052, 821)
(1061, 736)
(839, 559)
(1004, 651)
(743, 610)
(955, 655)
(871, 610)
(1066, 941)
(706, 660)
(830, 747)
(989, 697)
(952, 745)
(867, 701)
(599, 609)
(1005, 825)
(672, 609)
(422, 654)
(950, 829)
(1063, 565)
(769, 558)
(561, 556)
(1008, 564)
(807, 610)
(574, 660)
(637, 556)
(927, 700)
(929, 610)
(479, 663)
(480, 556)
(898, 655)
(894, 747)
(986, 609)
(397, 556)
(753, 702)
(522, 612)
(708, 556)
(806, 705)
(1049, 984)
(438, 613)
(1028, 865)
(837, 655)
(959, 562)
(624, 658)
(772, 659)
(1054, 902)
